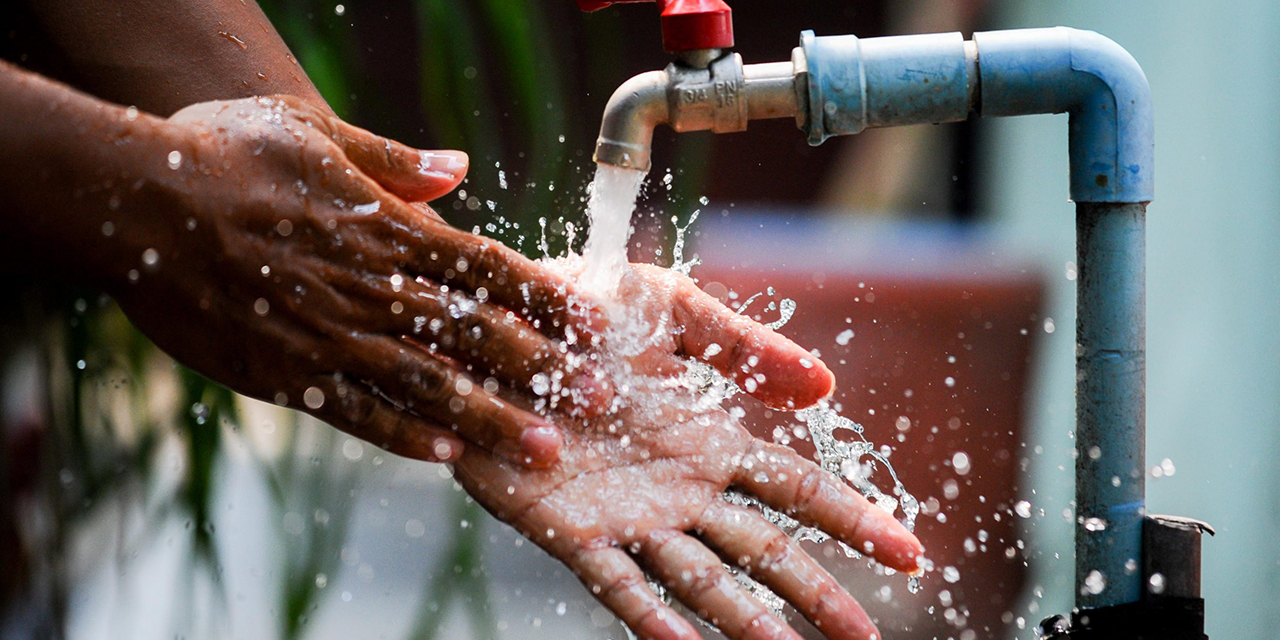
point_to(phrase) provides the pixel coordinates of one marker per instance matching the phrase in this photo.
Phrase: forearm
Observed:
(162, 55)
(70, 166)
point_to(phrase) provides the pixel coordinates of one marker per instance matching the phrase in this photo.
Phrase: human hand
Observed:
(276, 254)
(645, 487)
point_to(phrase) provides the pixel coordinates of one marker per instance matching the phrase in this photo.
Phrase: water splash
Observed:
(841, 445)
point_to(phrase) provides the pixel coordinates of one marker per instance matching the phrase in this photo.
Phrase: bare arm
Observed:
(163, 55)
(268, 245)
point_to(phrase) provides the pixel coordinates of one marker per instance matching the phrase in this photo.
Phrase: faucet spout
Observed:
(633, 111)
(722, 96)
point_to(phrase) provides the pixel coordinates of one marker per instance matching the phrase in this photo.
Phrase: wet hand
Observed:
(643, 489)
(274, 251)
(683, 320)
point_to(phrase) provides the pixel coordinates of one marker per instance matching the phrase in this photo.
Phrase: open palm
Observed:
(644, 486)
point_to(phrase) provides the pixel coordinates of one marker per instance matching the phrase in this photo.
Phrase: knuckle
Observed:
(429, 382)
(824, 595)
(467, 331)
(621, 583)
(703, 580)
(737, 350)
(657, 542)
(359, 410)
(776, 548)
(808, 488)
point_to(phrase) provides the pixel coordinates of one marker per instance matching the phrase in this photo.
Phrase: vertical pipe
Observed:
(1110, 402)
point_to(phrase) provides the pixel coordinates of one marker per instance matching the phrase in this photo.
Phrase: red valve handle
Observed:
(687, 25)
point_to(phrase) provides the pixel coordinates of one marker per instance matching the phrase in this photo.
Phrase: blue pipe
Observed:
(854, 84)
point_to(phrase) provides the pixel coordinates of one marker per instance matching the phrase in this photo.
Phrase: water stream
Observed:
(610, 205)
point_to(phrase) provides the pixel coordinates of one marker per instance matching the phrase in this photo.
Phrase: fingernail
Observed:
(449, 165)
(540, 445)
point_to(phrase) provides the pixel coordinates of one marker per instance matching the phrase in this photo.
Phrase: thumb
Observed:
(410, 174)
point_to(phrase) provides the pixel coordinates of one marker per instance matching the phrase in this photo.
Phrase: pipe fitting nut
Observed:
(709, 99)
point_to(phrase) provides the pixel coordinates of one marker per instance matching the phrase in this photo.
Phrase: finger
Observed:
(615, 580)
(768, 366)
(438, 392)
(780, 478)
(545, 298)
(696, 576)
(410, 174)
(355, 410)
(426, 210)
(496, 342)
(773, 559)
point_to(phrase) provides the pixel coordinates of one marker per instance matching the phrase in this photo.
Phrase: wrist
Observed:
(76, 175)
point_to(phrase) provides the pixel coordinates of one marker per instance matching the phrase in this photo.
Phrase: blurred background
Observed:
(932, 267)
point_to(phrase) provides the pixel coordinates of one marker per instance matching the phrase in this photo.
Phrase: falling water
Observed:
(612, 201)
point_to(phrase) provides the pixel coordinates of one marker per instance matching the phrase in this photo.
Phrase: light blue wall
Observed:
(1213, 288)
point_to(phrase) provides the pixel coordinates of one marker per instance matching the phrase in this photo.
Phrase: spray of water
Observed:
(841, 445)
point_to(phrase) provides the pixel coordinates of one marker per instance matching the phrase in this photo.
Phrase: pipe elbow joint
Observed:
(1097, 82)
(626, 131)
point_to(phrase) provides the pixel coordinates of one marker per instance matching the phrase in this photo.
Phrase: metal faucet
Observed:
(839, 85)
(703, 90)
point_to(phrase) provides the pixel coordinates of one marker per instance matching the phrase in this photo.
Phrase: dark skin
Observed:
(289, 256)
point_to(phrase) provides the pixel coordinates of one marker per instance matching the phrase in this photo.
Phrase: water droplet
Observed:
(951, 574)
(414, 528)
(961, 462)
(844, 337)
(1094, 583)
(1156, 583)
(261, 306)
(175, 159)
(1023, 509)
(339, 9)
(540, 384)
(313, 397)
(150, 257)
(352, 449)
(1094, 524)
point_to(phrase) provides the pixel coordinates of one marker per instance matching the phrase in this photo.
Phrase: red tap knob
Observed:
(687, 25)
(696, 24)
